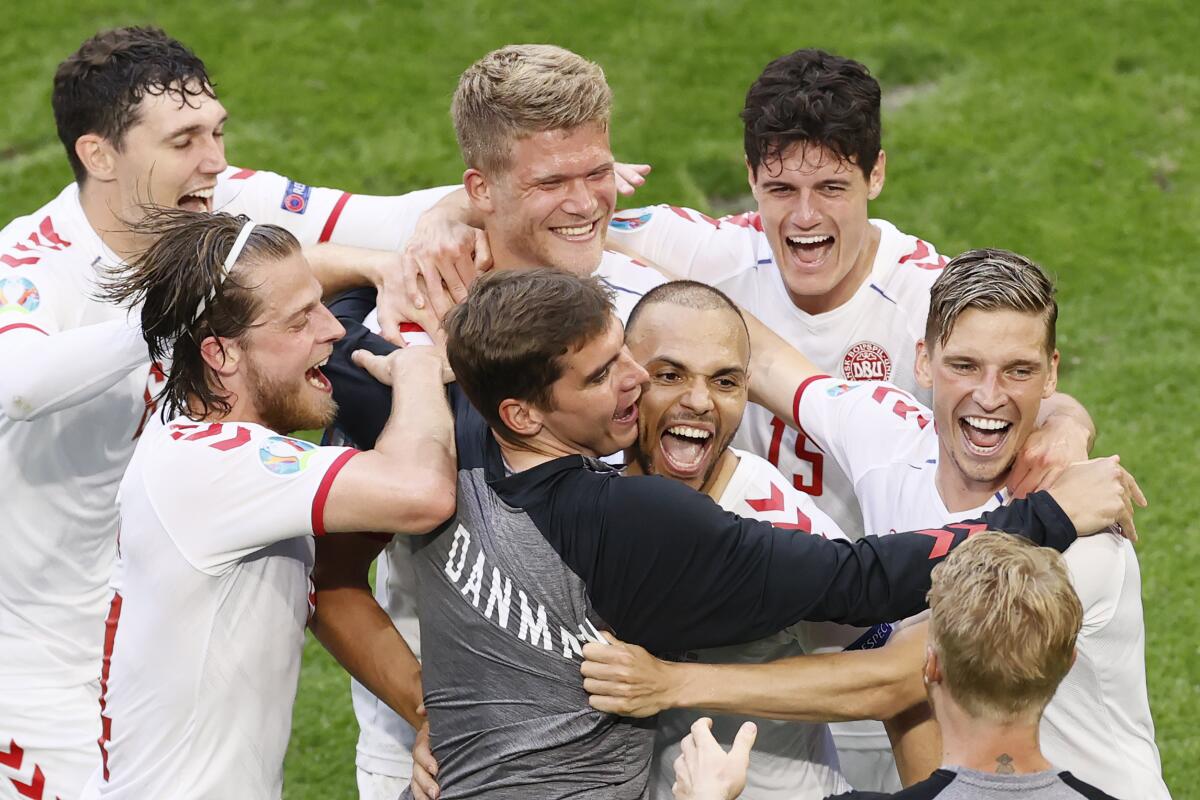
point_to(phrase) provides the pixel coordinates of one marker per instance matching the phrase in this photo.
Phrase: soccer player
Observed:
(849, 291)
(1004, 621)
(211, 586)
(549, 543)
(140, 123)
(989, 358)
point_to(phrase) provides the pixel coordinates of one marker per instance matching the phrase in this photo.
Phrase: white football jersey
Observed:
(873, 336)
(885, 441)
(61, 470)
(385, 739)
(789, 759)
(211, 594)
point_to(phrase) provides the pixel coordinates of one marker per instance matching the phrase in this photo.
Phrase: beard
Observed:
(643, 454)
(286, 407)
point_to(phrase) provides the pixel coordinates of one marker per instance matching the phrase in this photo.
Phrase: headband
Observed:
(238, 244)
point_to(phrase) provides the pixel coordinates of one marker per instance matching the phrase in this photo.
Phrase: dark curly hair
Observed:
(813, 97)
(98, 87)
(169, 279)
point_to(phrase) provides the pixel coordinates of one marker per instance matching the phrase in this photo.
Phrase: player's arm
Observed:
(865, 684)
(669, 569)
(356, 630)
(407, 483)
(686, 242)
(1064, 435)
(44, 368)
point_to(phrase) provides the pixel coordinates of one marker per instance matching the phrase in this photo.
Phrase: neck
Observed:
(238, 412)
(714, 486)
(996, 747)
(102, 208)
(958, 491)
(846, 288)
(532, 452)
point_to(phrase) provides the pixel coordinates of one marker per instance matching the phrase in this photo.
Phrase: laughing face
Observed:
(594, 402)
(814, 211)
(172, 155)
(988, 381)
(283, 353)
(697, 361)
(551, 207)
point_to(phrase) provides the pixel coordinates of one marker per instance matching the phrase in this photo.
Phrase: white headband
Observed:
(231, 259)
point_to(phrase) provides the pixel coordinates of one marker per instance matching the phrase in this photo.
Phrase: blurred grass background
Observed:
(1064, 131)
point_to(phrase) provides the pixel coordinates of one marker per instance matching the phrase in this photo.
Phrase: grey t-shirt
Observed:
(969, 784)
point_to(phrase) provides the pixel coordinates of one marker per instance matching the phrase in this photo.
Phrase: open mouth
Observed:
(197, 200)
(577, 233)
(984, 435)
(317, 379)
(811, 249)
(627, 415)
(685, 448)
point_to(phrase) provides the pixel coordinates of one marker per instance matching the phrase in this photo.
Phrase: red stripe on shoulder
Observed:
(331, 223)
(322, 495)
(242, 174)
(17, 325)
(800, 395)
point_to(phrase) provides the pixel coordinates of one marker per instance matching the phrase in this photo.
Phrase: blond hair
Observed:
(1004, 622)
(520, 90)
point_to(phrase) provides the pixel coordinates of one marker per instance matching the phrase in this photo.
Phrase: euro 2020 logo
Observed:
(18, 296)
(284, 455)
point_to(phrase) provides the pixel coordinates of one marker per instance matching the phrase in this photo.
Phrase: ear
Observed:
(1052, 377)
(521, 417)
(221, 355)
(98, 156)
(750, 179)
(878, 174)
(932, 671)
(923, 367)
(479, 190)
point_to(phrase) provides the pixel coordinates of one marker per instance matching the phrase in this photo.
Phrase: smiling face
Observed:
(551, 206)
(292, 337)
(172, 155)
(697, 361)
(988, 382)
(813, 206)
(594, 402)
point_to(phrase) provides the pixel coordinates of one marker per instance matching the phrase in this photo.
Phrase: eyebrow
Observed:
(561, 176)
(190, 129)
(685, 368)
(596, 373)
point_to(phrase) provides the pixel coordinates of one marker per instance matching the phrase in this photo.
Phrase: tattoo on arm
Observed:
(1004, 764)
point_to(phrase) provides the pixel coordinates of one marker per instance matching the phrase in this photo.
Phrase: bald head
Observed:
(688, 294)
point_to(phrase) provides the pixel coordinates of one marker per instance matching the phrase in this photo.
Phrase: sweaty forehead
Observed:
(164, 111)
(700, 339)
(565, 152)
(998, 334)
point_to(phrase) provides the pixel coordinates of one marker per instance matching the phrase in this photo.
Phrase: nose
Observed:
(213, 161)
(581, 200)
(807, 213)
(329, 329)
(697, 398)
(988, 393)
(634, 373)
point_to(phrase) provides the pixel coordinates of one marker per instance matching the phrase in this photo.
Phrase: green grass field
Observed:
(1064, 131)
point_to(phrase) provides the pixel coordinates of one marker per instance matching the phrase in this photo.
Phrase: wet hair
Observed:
(170, 279)
(1003, 622)
(509, 337)
(99, 87)
(520, 90)
(689, 294)
(811, 97)
(989, 280)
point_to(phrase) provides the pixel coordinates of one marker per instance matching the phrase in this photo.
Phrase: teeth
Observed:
(579, 230)
(202, 193)
(690, 433)
(985, 424)
(817, 239)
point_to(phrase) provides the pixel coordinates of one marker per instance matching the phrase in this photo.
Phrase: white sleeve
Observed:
(314, 214)
(43, 368)
(225, 491)
(861, 424)
(687, 243)
(1097, 568)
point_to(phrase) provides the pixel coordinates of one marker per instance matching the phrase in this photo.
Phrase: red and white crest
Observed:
(867, 361)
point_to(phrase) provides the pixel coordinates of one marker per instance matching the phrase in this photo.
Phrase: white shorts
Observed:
(380, 787)
(48, 738)
(870, 770)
